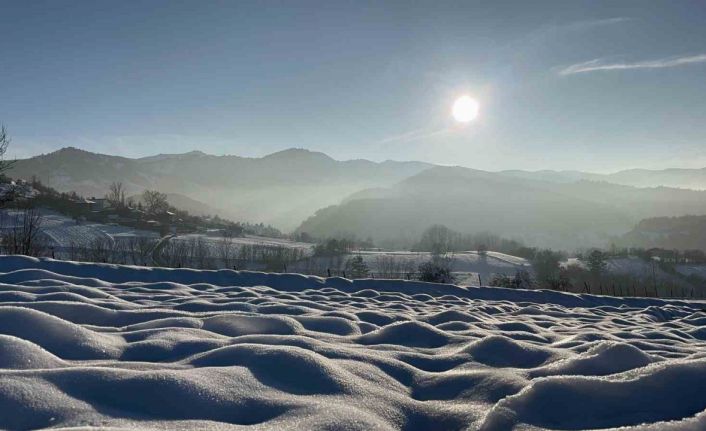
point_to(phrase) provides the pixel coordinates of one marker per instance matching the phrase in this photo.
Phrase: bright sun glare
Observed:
(465, 109)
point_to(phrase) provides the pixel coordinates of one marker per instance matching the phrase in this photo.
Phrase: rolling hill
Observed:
(694, 179)
(680, 233)
(543, 213)
(280, 189)
(385, 200)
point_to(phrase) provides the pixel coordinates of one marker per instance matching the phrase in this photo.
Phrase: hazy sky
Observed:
(590, 85)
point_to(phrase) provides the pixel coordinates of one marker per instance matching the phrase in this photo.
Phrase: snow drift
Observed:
(91, 345)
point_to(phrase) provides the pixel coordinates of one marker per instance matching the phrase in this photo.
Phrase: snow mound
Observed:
(235, 325)
(665, 392)
(18, 354)
(119, 347)
(64, 339)
(412, 334)
(287, 368)
(500, 351)
(606, 358)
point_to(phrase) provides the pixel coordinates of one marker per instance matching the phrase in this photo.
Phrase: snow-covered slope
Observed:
(101, 345)
(283, 188)
(63, 232)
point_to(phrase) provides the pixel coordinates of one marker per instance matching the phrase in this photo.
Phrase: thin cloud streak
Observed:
(581, 25)
(414, 135)
(599, 65)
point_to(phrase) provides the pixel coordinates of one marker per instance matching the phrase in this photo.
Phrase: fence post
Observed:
(600, 286)
(328, 270)
(480, 282)
(344, 274)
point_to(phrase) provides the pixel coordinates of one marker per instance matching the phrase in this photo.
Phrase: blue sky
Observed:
(595, 86)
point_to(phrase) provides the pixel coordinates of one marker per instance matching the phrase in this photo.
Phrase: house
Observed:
(662, 255)
(99, 204)
(17, 189)
(83, 205)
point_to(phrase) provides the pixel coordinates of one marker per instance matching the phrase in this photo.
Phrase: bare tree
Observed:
(25, 236)
(121, 251)
(175, 254)
(155, 202)
(116, 195)
(101, 250)
(145, 246)
(139, 249)
(437, 239)
(4, 143)
(200, 256)
(73, 250)
(226, 252)
(9, 193)
(388, 266)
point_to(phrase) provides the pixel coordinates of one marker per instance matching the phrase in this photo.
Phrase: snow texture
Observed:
(64, 232)
(95, 345)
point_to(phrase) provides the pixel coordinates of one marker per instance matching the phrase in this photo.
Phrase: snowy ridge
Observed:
(94, 345)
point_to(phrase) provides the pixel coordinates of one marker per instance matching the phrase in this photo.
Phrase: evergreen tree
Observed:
(596, 262)
(357, 267)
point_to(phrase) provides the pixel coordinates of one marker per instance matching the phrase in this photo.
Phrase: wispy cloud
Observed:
(587, 24)
(539, 36)
(599, 65)
(414, 135)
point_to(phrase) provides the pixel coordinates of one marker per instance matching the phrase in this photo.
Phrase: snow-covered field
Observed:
(63, 232)
(467, 266)
(244, 240)
(101, 345)
(649, 274)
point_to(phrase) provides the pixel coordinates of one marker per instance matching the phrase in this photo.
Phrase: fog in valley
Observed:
(302, 192)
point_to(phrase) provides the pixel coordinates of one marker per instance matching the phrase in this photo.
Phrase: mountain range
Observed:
(564, 215)
(389, 201)
(680, 233)
(694, 179)
(280, 189)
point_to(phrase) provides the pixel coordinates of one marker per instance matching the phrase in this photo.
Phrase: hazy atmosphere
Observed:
(593, 86)
(353, 216)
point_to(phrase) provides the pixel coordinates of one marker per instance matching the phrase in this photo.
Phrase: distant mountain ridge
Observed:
(682, 178)
(288, 187)
(282, 188)
(564, 215)
(681, 233)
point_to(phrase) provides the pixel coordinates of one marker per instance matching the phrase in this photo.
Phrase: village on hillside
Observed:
(146, 230)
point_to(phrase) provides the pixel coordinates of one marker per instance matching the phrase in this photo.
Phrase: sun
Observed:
(465, 109)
